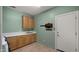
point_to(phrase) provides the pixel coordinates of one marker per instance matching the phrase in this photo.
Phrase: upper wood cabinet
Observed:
(28, 22)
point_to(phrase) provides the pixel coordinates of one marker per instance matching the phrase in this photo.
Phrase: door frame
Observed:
(1, 29)
(76, 27)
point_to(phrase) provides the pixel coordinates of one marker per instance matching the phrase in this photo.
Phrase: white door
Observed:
(65, 32)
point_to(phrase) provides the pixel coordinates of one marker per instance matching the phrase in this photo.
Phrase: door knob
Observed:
(57, 32)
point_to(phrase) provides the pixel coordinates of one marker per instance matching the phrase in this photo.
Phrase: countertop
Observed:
(18, 33)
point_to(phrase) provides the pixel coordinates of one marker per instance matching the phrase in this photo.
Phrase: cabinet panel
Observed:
(12, 42)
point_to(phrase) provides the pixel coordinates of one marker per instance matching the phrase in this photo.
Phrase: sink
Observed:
(29, 32)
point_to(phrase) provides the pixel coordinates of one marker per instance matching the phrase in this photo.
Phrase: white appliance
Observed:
(4, 45)
(66, 34)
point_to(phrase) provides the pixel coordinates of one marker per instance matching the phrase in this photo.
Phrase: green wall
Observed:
(12, 20)
(48, 37)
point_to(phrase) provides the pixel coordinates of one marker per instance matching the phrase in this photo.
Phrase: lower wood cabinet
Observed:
(20, 41)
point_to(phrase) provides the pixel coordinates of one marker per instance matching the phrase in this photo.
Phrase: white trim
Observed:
(1, 28)
(77, 30)
(55, 34)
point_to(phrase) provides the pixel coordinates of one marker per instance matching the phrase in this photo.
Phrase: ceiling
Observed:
(32, 10)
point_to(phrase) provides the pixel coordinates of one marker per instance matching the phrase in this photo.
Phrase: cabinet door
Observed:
(31, 23)
(13, 43)
(25, 22)
(20, 41)
(27, 41)
(32, 38)
(24, 40)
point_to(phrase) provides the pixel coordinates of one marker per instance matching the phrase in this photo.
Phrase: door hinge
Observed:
(75, 49)
(75, 17)
(75, 33)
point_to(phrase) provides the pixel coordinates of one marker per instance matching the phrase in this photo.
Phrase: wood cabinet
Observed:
(28, 22)
(20, 41)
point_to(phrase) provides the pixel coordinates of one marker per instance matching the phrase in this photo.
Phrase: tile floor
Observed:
(35, 47)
